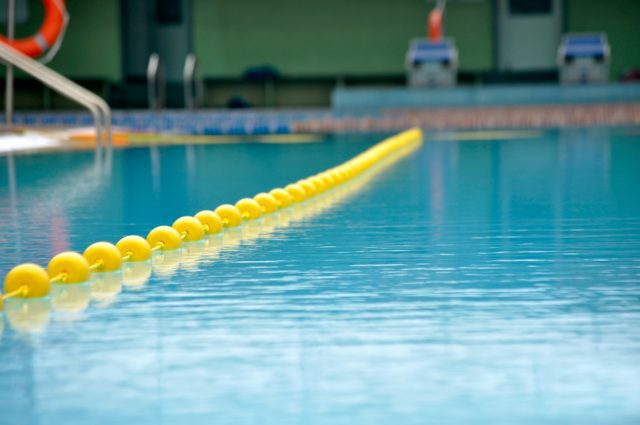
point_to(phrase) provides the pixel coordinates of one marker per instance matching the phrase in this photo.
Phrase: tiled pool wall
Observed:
(367, 110)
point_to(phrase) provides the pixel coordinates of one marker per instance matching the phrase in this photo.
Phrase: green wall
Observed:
(91, 47)
(329, 37)
(322, 38)
(471, 24)
(620, 19)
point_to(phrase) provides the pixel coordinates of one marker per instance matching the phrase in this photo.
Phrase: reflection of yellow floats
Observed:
(29, 315)
(105, 287)
(135, 274)
(124, 138)
(199, 235)
(70, 299)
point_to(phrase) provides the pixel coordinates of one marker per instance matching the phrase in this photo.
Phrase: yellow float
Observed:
(249, 208)
(296, 191)
(103, 257)
(211, 222)
(134, 248)
(189, 228)
(267, 202)
(164, 238)
(68, 267)
(282, 196)
(229, 214)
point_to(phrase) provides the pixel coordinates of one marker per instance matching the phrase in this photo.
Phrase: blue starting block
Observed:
(432, 63)
(584, 58)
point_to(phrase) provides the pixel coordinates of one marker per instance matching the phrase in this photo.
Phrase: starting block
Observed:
(432, 63)
(584, 58)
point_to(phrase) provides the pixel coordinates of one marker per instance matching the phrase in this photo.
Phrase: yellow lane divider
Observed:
(32, 281)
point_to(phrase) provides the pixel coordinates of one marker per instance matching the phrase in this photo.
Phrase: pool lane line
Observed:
(485, 135)
(32, 315)
(128, 139)
(30, 280)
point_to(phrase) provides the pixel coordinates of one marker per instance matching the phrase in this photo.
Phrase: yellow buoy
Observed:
(165, 238)
(328, 179)
(27, 281)
(267, 202)
(296, 191)
(68, 267)
(189, 228)
(229, 214)
(309, 188)
(336, 176)
(282, 196)
(318, 183)
(347, 169)
(134, 248)
(249, 208)
(211, 222)
(103, 257)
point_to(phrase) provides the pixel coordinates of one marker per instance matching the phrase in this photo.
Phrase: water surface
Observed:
(493, 281)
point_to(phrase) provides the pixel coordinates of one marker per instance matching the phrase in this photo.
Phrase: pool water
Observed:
(474, 281)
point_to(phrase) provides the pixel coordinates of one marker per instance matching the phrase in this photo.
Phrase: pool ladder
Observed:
(193, 86)
(98, 108)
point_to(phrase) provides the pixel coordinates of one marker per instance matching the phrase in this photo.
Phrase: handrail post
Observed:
(155, 82)
(8, 98)
(192, 81)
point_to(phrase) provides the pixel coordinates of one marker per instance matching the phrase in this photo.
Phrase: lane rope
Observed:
(30, 280)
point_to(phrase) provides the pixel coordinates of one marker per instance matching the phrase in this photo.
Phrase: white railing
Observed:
(99, 109)
(155, 82)
(193, 84)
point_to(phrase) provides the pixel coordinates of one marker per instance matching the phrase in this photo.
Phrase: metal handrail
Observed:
(155, 82)
(8, 94)
(192, 81)
(98, 108)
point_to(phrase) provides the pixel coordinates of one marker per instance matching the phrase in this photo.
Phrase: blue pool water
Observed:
(475, 281)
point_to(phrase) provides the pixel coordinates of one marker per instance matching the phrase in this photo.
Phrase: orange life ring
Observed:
(435, 25)
(52, 28)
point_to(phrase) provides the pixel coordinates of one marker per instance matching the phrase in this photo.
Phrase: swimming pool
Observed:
(474, 281)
